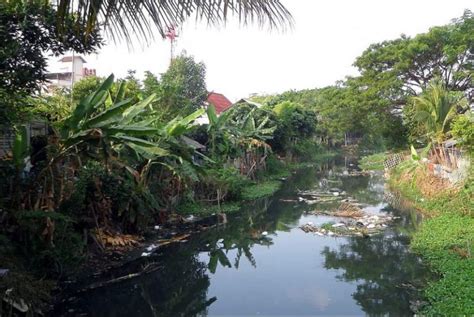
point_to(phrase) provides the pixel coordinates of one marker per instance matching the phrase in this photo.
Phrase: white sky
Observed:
(327, 37)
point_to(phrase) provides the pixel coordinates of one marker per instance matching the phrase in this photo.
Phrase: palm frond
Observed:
(123, 19)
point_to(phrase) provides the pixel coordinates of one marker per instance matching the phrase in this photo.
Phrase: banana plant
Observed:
(20, 147)
(249, 129)
(219, 130)
(251, 140)
(104, 124)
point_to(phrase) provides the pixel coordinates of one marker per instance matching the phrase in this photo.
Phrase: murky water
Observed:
(237, 270)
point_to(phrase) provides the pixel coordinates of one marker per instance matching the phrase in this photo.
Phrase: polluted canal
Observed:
(332, 241)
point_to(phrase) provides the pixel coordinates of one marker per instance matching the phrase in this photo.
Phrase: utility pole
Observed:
(72, 75)
(171, 34)
(73, 69)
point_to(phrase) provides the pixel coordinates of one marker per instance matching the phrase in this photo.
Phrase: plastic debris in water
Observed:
(157, 227)
(151, 247)
(146, 254)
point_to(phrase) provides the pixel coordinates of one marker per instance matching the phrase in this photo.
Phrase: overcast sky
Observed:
(327, 36)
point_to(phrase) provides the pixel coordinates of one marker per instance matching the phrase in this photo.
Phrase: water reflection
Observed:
(387, 275)
(235, 269)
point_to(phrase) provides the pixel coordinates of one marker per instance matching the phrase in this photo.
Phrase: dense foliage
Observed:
(122, 155)
(381, 108)
(181, 89)
(29, 31)
(445, 241)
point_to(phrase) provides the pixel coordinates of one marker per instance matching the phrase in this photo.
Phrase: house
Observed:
(70, 69)
(7, 135)
(219, 101)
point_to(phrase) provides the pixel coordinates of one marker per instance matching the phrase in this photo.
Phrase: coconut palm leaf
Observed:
(435, 109)
(123, 19)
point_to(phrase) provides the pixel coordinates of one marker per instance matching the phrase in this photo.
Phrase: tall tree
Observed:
(186, 80)
(28, 33)
(403, 67)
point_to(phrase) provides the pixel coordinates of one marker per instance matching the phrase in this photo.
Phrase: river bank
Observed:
(445, 237)
(261, 257)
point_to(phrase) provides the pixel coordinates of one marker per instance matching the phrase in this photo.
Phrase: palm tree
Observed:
(124, 18)
(435, 109)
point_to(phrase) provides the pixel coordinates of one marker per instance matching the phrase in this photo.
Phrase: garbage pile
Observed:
(331, 195)
(356, 222)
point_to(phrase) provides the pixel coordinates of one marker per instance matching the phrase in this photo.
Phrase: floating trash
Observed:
(151, 247)
(190, 218)
(365, 225)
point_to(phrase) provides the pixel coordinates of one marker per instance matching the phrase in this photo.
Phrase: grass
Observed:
(201, 209)
(250, 192)
(328, 226)
(260, 190)
(445, 241)
(373, 162)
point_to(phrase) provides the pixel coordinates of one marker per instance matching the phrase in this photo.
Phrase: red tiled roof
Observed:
(220, 102)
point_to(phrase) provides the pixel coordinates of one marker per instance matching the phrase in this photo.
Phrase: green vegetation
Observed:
(201, 209)
(117, 155)
(462, 130)
(373, 162)
(122, 155)
(445, 240)
(259, 190)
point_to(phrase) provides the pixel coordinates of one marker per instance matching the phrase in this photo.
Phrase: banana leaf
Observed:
(104, 117)
(20, 146)
(211, 114)
(129, 114)
(133, 130)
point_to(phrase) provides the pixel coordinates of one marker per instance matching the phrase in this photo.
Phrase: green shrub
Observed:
(462, 129)
(373, 162)
(227, 180)
(260, 190)
(446, 241)
(122, 199)
(306, 150)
